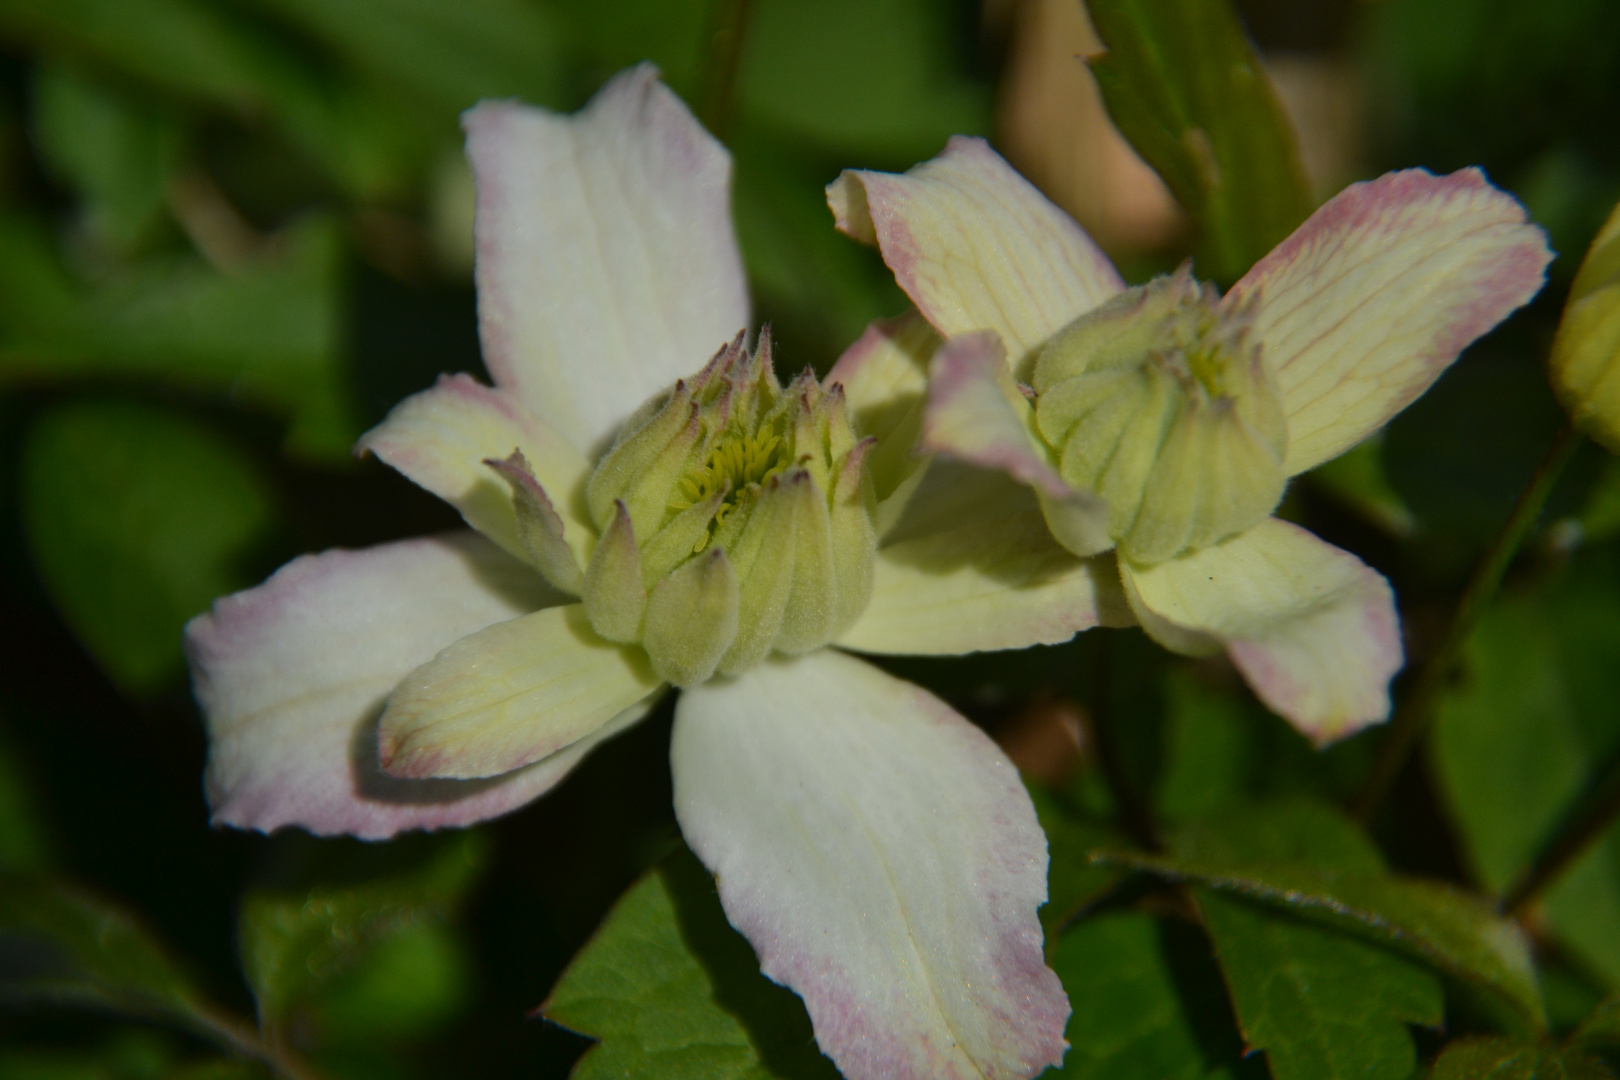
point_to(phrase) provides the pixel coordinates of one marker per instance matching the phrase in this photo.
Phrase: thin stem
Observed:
(241, 1038)
(1591, 816)
(1135, 815)
(729, 30)
(1415, 711)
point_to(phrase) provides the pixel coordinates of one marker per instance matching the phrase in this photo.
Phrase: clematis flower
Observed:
(652, 506)
(1162, 423)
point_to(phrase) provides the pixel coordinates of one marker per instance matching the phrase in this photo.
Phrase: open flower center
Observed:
(1158, 401)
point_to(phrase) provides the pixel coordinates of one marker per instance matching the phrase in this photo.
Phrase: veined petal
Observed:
(885, 380)
(509, 695)
(1378, 291)
(972, 566)
(607, 266)
(1312, 628)
(292, 675)
(976, 247)
(884, 859)
(441, 438)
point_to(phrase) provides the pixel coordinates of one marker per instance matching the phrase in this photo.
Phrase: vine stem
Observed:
(1416, 709)
(240, 1037)
(728, 31)
(1589, 818)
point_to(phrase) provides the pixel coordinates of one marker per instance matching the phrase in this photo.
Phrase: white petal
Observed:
(1312, 628)
(976, 247)
(509, 695)
(1378, 291)
(972, 566)
(292, 675)
(607, 266)
(440, 439)
(884, 859)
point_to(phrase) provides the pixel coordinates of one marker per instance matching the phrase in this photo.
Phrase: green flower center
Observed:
(738, 465)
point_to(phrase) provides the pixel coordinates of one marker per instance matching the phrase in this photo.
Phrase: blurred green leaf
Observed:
(869, 77)
(64, 946)
(1599, 519)
(449, 55)
(116, 154)
(1356, 479)
(137, 518)
(1508, 1059)
(269, 336)
(356, 939)
(1210, 752)
(1184, 85)
(1522, 732)
(1072, 881)
(1148, 1003)
(672, 992)
(1311, 863)
(130, 1054)
(1601, 1028)
(23, 847)
(204, 53)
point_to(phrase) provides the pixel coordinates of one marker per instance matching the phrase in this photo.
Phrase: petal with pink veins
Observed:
(883, 858)
(607, 265)
(1312, 627)
(977, 247)
(508, 695)
(292, 676)
(1378, 291)
(442, 437)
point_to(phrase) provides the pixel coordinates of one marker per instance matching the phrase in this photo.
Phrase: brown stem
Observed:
(1416, 709)
(1589, 818)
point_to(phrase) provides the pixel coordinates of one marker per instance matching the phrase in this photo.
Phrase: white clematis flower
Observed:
(643, 518)
(1163, 422)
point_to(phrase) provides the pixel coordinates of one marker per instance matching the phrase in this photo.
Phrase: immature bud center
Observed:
(1158, 401)
(735, 518)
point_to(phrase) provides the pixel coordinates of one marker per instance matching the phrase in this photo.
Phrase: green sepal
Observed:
(615, 598)
(692, 619)
(540, 528)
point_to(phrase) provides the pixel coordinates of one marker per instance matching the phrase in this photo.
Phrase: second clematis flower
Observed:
(651, 511)
(1163, 422)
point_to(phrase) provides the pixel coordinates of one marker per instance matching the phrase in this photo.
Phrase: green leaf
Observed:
(23, 847)
(1522, 733)
(204, 53)
(269, 336)
(118, 155)
(1210, 755)
(1148, 1004)
(1602, 1028)
(137, 519)
(447, 55)
(1184, 85)
(674, 993)
(1508, 1059)
(1335, 879)
(1356, 479)
(1320, 1004)
(1072, 881)
(64, 946)
(356, 936)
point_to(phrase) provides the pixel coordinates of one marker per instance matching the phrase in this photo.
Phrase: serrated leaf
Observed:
(1320, 1004)
(1508, 1059)
(1148, 1003)
(63, 946)
(136, 519)
(268, 336)
(672, 992)
(1184, 85)
(1072, 881)
(1336, 880)
(311, 934)
(1520, 736)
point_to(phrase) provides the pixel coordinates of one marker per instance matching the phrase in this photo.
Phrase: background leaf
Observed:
(1505, 1059)
(1183, 84)
(673, 992)
(137, 519)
